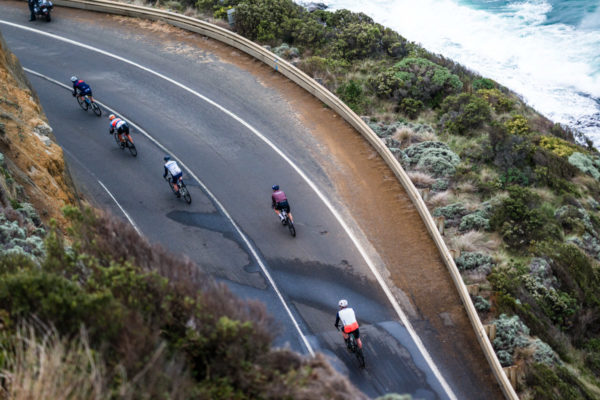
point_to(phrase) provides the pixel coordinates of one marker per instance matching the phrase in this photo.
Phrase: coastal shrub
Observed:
(351, 93)
(518, 125)
(416, 78)
(554, 171)
(496, 99)
(435, 158)
(478, 220)
(520, 219)
(511, 333)
(440, 185)
(558, 146)
(461, 114)
(570, 219)
(481, 304)
(265, 21)
(358, 41)
(483, 83)
(586, 164)
(452, 213)
(411, 107)
(578, 277)
(473, 260)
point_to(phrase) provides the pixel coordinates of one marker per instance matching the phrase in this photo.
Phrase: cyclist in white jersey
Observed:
(348, 320)
(172, 168)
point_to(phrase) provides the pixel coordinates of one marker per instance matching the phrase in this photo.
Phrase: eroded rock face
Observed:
(33, 168)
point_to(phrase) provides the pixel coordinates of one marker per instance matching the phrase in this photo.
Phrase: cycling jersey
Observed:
(82, 87)
(172, 168)
(348, 319)
(278, 196)
(117, 124)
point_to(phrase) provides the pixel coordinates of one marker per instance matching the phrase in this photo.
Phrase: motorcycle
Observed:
(42, 8)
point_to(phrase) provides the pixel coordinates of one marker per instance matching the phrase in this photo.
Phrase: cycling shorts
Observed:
(87, 91)
(175, 178)
(283, 205)
(123, 129)
(355, 333)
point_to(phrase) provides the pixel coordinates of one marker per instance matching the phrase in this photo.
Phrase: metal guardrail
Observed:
(309, 84)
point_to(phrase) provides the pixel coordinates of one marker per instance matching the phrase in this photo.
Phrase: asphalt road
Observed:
(311, 271)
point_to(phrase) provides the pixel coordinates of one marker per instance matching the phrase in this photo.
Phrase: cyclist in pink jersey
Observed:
(280, 202)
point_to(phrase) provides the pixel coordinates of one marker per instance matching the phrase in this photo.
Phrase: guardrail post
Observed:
(511, 373)
(425, 193)
(455, 253)
(490, 330)
(439, 223)
(473, 290)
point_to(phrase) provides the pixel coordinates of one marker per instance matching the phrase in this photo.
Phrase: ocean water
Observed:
(548, 51)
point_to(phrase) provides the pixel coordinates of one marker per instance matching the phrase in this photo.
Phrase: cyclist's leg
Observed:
(278, 211)
(176, 181)
(289, 211)
(356, 334)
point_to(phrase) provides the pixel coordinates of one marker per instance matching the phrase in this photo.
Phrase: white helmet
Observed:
(343, 303)
(73, 78)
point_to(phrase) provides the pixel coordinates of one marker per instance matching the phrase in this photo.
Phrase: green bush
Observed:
(511, 333)
(520, 219)
(352, 94)
(265, 21)
(475, 221)
(496, 99)
(483, 83)
(518, 125)
(411, 107)
(463, 113)
(416, 78)
(436, 158)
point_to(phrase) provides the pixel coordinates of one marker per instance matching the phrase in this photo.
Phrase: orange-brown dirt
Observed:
(32, 157)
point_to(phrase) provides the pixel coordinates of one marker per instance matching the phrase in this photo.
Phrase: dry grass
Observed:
(51, 368)
(465, 187)
(440, 199)
(421, 179)
(475, 241)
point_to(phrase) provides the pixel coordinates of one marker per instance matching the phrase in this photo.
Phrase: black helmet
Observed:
(167, 157)
(275, 187)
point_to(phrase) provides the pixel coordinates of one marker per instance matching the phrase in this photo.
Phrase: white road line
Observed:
(122, 209)
(312, 185)
(212, 196)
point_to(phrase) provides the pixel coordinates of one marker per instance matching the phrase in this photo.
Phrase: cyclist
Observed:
(80, 88)
(121, 126)
(349, 324)
(172, 168)
(280, 202)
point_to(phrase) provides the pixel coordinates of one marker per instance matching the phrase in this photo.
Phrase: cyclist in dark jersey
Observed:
(280, 202)
(80, 88)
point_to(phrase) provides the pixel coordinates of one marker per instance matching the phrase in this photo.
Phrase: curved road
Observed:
(219, 145)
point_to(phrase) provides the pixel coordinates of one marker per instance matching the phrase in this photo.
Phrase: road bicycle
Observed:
(127, 143)
(183, 191)
(352, 346)
(86, 102)
(287, 221)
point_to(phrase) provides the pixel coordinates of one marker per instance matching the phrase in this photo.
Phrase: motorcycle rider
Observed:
(80, 88)
(32, 4)
(280, 202)
(172, 168)
(121, 127)
(349, 324)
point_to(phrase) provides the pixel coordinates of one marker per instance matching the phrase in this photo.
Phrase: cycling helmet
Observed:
(343, 303)
(275, 187)
(73, 78)
(111, 117)
(167, 158)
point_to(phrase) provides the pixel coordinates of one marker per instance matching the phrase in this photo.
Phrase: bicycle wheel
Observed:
(360, 357)
(131, 147)
(82, 103)
(96, 109)
(291, 227)
(186, 195)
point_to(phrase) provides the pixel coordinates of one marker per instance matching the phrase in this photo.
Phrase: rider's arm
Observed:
(273, 202)
(337, 320)
(166, 172)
